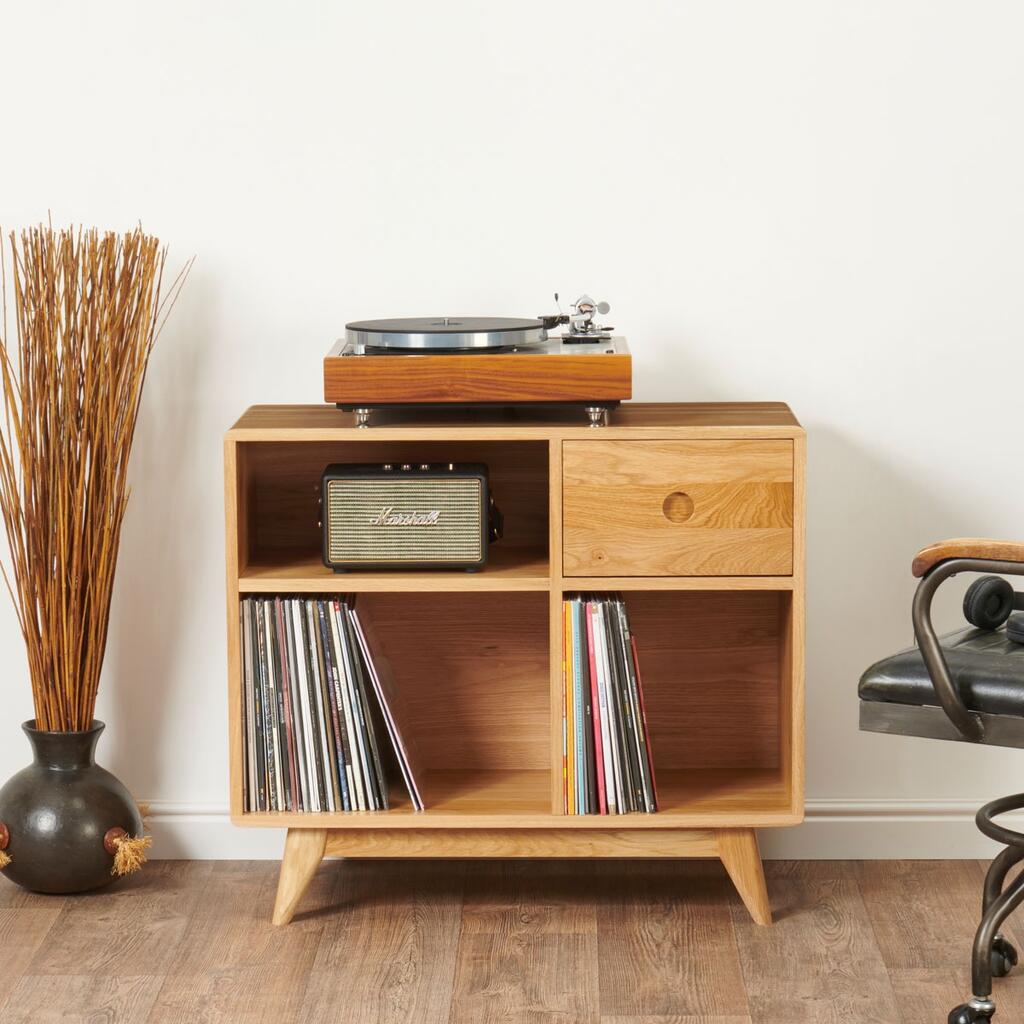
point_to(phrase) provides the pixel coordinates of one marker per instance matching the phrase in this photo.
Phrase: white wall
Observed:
(818, 202)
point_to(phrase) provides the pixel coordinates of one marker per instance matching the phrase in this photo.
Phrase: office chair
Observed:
(968, 686)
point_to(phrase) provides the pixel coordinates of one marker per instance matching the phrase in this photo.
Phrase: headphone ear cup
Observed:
(988, 602)
(1015, 627)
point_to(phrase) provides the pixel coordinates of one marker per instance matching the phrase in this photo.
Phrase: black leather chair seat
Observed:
(985, 666)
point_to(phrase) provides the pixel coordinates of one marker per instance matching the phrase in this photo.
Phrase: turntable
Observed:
(473, 361)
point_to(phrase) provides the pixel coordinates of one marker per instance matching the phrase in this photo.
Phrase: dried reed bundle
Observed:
(87, 311)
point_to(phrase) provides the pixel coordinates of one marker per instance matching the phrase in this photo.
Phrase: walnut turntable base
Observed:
(592, 374)
(694, 513)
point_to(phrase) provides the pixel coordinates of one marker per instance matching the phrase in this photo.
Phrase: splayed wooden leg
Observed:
(737, 847)
(303, 850)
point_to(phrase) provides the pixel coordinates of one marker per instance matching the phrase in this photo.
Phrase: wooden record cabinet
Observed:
(695, 513)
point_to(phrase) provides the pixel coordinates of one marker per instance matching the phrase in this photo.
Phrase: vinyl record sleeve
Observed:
(362, 686)
(322, 713)
(353, 756)
(397, 718)
(276, 707)
(630, 763)
(338, 704)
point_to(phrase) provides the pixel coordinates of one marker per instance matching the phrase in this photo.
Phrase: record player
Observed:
(474, 361)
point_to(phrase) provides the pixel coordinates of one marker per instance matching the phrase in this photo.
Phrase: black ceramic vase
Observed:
(61, 816)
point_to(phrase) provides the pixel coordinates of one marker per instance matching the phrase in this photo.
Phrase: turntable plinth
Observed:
(584, 376)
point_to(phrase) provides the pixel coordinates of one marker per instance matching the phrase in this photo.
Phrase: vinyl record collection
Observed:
(607, 763)
(317, 698)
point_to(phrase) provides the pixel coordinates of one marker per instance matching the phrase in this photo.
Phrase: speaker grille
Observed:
(374, 520)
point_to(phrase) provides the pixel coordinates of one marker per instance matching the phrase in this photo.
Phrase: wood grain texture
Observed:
(323, 422)
(665, 945)
(390, 954)
(709, 661)
(741, 857)
(132, 928)
(303, 850)
(556, 637)
(921, 911)
(505, 979)
(718, 797)
(618, 508)
(82, 999)
(611, 942)
(534, 843)
(967, 547)
(22, 932)
(820, 961)
(675, 1019)
(475, 675)
(232, 964)
(494, 377)
(303, 571)
(236, 535)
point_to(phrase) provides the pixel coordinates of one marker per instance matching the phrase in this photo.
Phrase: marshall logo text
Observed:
(392, 517)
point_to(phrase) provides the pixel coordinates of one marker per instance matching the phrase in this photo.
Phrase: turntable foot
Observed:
(362, 417)
(598, 415)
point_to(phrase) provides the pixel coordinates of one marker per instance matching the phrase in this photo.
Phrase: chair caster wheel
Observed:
(971, 1013)
(1004, 957)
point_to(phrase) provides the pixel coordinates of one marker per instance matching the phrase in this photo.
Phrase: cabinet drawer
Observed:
(677, 508)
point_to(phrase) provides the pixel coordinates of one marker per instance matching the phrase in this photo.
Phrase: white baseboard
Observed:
(834, 830)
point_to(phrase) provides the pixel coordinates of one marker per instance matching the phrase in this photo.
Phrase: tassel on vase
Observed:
(129, 852)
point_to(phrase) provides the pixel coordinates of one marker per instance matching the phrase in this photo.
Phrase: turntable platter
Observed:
(455, 333)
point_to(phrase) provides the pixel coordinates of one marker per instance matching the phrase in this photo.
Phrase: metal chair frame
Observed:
(992, 954)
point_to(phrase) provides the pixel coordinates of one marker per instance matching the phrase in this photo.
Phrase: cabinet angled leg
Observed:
(303, 850)
(737, 848)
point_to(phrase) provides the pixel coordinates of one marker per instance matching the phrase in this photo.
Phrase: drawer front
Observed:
(677, 508)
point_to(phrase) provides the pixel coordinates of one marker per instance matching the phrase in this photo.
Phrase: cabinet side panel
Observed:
(555, 624)
(794, 637)
(234, 542)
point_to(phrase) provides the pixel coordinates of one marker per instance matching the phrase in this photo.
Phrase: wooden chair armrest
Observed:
(967, 547)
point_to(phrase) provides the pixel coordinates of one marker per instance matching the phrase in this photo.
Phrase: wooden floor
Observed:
(473, 942)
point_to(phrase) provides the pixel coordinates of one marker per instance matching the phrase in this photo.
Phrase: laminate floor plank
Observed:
(529, 897)
(388, 949)
(81, 999)
(520, 942)
(675, 1020)
(523, 977)
(665, 940)
(232, 964)
(13, 897)
(924, 913)
(819, 963)
(130, 929)
(22, 932)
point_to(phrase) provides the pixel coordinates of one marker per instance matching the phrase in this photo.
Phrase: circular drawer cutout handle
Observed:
(677, 507)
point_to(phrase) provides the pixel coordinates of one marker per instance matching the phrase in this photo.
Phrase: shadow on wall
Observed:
(159, 560)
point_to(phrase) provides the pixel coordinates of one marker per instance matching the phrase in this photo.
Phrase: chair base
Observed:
(932, 723)
(993, 956)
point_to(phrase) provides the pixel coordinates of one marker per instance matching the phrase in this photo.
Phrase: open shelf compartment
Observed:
(473, 672)
(715, 676)
(278, 493)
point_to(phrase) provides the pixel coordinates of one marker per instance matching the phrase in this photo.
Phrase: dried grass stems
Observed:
(87, 311)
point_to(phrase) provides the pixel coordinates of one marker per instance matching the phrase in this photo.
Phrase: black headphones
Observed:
(989, 602)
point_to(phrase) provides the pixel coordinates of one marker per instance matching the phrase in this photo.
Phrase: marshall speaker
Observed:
(407, 516)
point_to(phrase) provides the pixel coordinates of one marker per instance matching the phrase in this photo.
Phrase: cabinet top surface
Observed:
(324, 422)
